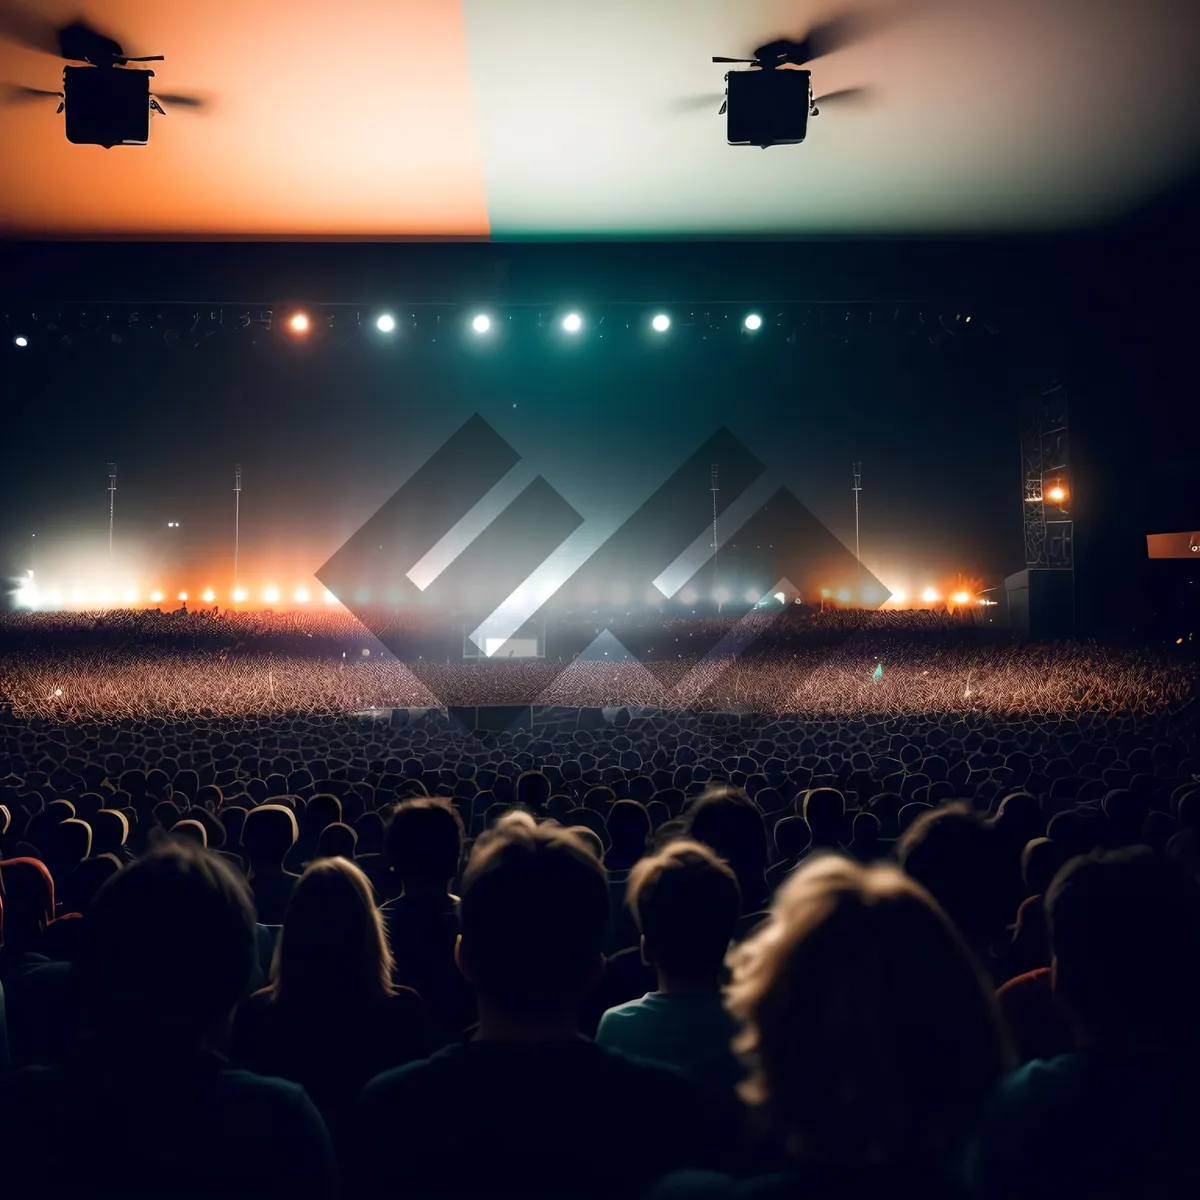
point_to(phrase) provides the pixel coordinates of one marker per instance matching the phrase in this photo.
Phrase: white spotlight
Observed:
(572, 323)
(753, 597)
(302, 595)
(156, 597)
(844, 595)
(183, 595)
(330, 598)
(271, 595)
(239, 594)
(482, 323)
(661, 323)
(688, 595)
(930, 596)
(721, 595)
(21, 340)
(208, 595)
(898, 597)
(753, 321)
(385, 323)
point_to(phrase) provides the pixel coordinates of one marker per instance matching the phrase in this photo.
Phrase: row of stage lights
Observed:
(186, 324)
(299, 324)
(31, 595)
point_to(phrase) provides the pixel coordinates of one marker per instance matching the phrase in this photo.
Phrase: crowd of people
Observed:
(944, 949)
(77, 666)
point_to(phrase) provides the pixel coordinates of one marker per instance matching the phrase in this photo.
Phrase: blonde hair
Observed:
(333, 943)
(870, 1033)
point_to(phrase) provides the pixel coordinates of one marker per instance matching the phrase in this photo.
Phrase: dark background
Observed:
(325, 433)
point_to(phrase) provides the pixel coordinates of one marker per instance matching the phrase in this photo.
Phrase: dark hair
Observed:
(332, 943)
(423, 841)
(953, 853)
(726, 820)
(1125, 933)
(686, 903)
(535, 911)
(824, 808)
(169, 946)
(268, 833)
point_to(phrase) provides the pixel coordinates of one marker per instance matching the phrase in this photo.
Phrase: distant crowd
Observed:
(76, 666)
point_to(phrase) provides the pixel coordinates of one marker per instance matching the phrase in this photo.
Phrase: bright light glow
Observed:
(898, 597)
(780, 597)
(130, 596)
(271, 595)
(572, 323)
(21, 340)
(183, 595)
(824, 593)
(298, 323)
(661, 323)
(753, 321)
(77, 595)
(688, 595)
(239, 594)
(302, 595)
(54, 596)
(844, 595)
(208, 595)
(1057, 494)
(385, 323)
(753, 597)
(481, 323)
(156, 597)
(960, 597)
(105, 595)
(330, 598)
(930, 596)
(721, 595)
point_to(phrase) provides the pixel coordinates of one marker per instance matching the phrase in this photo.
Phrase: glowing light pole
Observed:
(857, 469)
(237, 519)
(112, 496)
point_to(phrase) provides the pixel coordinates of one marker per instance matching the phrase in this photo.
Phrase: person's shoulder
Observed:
(646, 1076)
(445, 1065)
(711, 1185)
(624, 1012)
(261, 1090)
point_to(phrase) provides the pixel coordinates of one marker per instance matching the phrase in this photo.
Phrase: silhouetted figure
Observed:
(268, 833)
(331, 1018)
(1118, 1115)
(527, 1107)
(686, 904)
(146, 1106)
(422, 849)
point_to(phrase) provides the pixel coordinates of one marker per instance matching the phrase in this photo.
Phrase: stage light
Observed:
(208, 595)
(930, 596)
(385, 323)
(105, 595)
(130, 596)
(661, 323)
(960, 597)
(753, 322)
(844, 595)
(156, 597)
(1057, 494)
(688, 595)
(21, 340)
(239, 594)
(301, 595)
(330, 598)
(271, 595)
(54, 596)
(753, 597)
(721, 595)
(298, 324)
(481, 323)
(898, 597)
(824, 593)
(183, 596)
(572, 323)
(780, 597)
